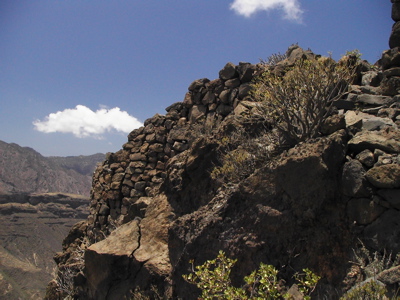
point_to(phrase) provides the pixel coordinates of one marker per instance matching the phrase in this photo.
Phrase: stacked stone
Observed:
(394, 40)
(391, 58)
(126, 181)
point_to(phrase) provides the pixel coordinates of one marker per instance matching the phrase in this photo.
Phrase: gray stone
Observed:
(354, 183)
(394, 40)
(232, 83)
(246, 71)
(373, 140)
(104, 210)
(137, 156)
(179, 146)
(366, 157)
(392, 196)
(244, 90)
(392, 72)
(224, 110)
(371, 78)
(374, 99)
(354, 118)
(363, 211)
(377, 123)
(228, 71)
(224, 96)
(197, 84)
(385, 176)
(390, 58)
(333, 123)
(208, 98)
(197, 112)
(140, 185)
(111, 261)
(396, 11)
(390, 86)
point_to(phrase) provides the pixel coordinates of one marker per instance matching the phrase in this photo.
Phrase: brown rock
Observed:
(196, 113)
(354, 183)
(375, 140)
(366, 157)
(394, 40)
(385, 176)
(111, 261)
(228, 71)
(396, 11)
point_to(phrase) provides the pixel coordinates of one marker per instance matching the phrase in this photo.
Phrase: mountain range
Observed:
(41, 198)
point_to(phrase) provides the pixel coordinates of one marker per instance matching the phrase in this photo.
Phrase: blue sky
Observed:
(76, 76)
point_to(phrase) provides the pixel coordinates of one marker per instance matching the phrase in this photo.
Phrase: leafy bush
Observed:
(298, 102)
(213, 279)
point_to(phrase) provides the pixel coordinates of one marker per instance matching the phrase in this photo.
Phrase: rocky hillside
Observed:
(31, 230)
(36, 214)
(23, 170)
(329, 203)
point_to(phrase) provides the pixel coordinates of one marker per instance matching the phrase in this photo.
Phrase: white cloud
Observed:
(82, 122)
(246, 8)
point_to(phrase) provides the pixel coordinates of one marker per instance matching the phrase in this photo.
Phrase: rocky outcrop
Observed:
(307, 208)
(155, 206)
(32, 228)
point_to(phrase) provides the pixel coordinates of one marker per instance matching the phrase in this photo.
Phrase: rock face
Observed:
(31, 229)
(306, 209)
(23, 170)
(155, 205)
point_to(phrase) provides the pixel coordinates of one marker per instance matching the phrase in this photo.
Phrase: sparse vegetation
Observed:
(273, 59)
(371, 290)
(298, 102)
(241, 154)
(214, 281)
(65, 275)
(371, 264)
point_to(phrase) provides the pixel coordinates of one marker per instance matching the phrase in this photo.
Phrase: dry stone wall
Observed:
(124, 184)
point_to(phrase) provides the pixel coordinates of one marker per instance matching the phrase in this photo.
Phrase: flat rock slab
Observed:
(375, 140)
(123, 241)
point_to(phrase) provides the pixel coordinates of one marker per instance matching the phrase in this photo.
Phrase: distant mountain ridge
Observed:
(24, 170)
(40, 199)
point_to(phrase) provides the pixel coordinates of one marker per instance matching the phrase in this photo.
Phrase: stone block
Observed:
(228, 71)
(385, 176)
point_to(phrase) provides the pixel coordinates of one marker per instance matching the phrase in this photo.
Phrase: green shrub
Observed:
(298, 102)
(371, 290)
(213, 279)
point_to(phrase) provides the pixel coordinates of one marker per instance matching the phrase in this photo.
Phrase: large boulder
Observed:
(385, 176)
(394, 40)
(354, 183)
(111, 261)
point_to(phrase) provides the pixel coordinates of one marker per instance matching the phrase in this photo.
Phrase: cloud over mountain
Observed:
(82, 122)
(247, 8)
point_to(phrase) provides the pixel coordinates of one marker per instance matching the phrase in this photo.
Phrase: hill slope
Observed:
(23, 170)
